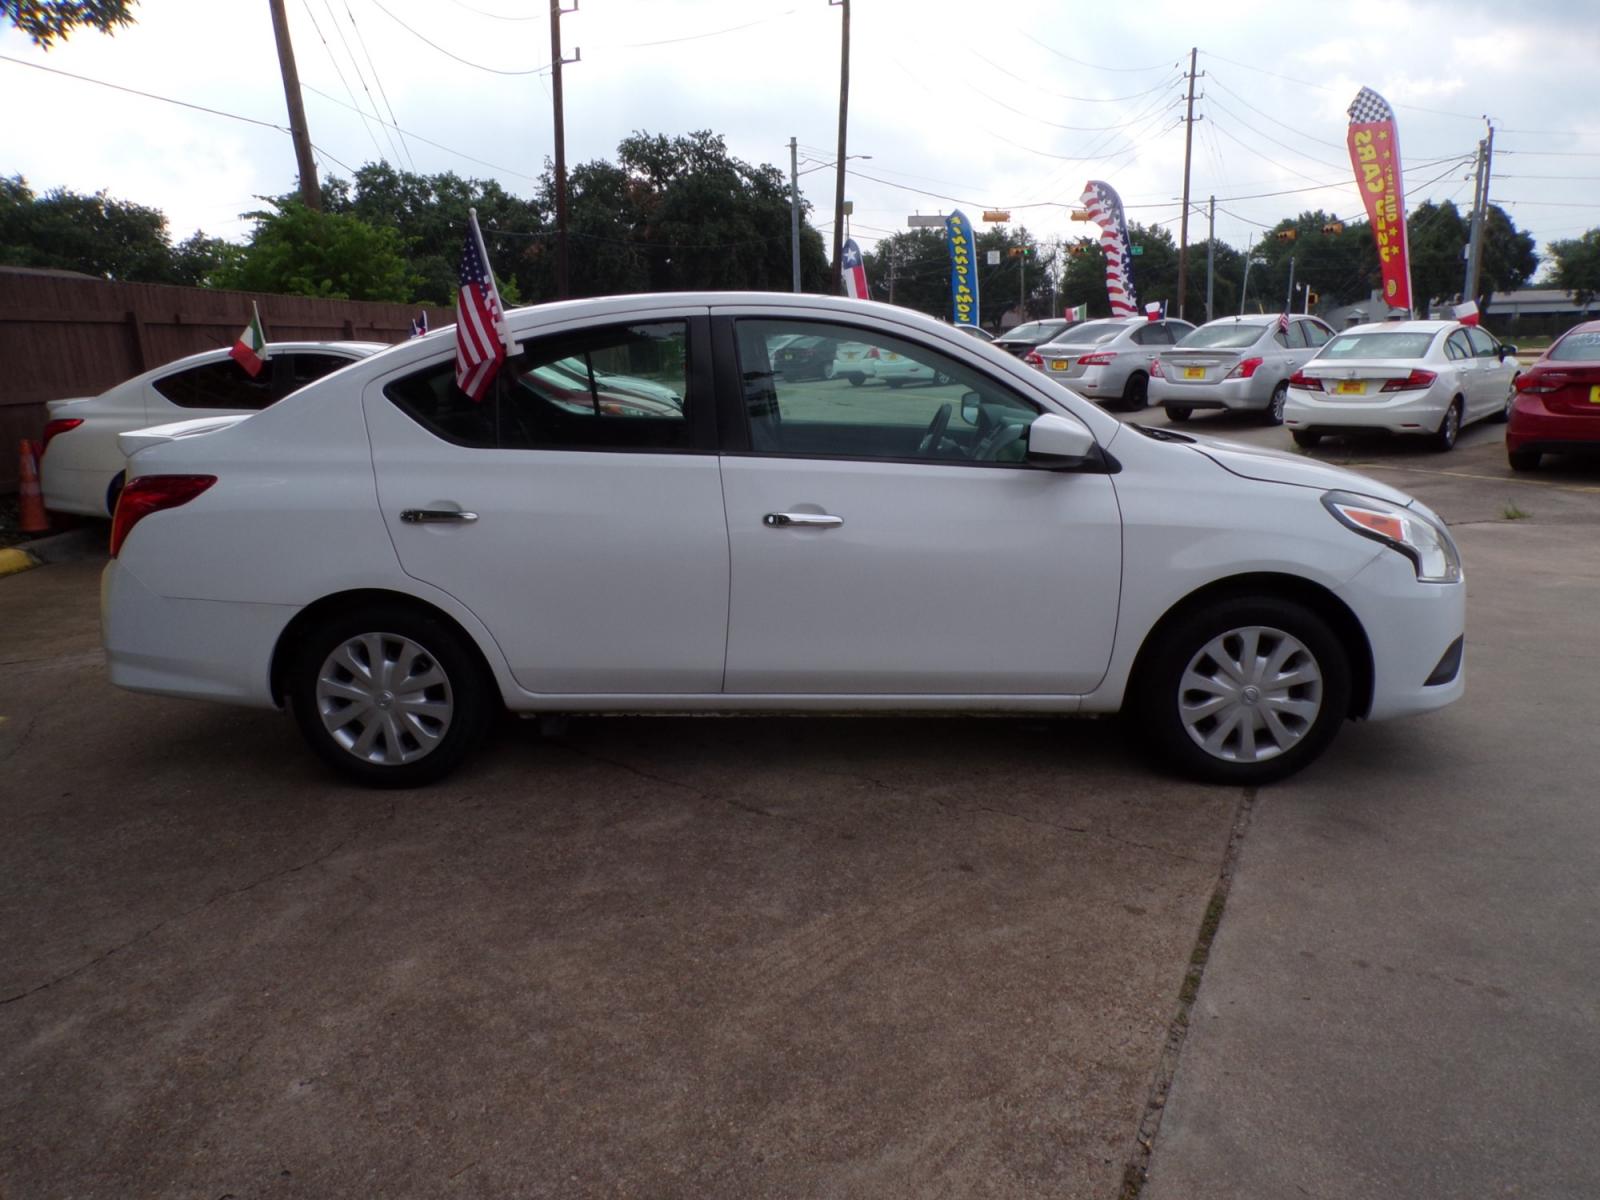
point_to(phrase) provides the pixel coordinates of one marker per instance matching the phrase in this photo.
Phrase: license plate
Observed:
(1594, 394)
(1194, 372)
(1351, 387)
(1061, 364)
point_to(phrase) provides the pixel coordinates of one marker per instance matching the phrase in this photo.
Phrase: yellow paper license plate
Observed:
(1594, 394)
(1194, 372)
(1351, 387)
(1060, 364)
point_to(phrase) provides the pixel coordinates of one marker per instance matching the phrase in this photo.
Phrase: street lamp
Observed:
(794, 203)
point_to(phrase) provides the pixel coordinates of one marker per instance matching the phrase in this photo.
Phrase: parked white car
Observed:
(80, 469)
(1241, 364)
(1110, 360)
(1410, 377)
(394, 562)
(859, 363)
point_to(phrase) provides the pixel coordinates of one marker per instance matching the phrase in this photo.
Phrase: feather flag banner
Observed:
(1104, 208)
(1374, 145)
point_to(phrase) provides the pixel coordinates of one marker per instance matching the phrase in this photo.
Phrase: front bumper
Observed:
(1411, 627)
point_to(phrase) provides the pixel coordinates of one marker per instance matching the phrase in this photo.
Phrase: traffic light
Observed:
(1079, 249)
(1333, 227)
(1286, 235)
(1312, 299)
(1014, 252)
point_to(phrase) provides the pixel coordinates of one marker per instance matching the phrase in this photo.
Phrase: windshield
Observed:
(1235, 335)
(1378, 345)
(1036, 331)
(1578, 347)
(1091, 332)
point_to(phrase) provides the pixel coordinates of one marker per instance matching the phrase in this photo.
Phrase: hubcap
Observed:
(1250, 694)
(384, 699)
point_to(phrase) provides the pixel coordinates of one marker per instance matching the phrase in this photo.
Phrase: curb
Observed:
(87, 541)
(13, 561)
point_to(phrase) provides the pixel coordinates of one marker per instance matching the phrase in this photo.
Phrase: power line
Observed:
(695, 37)
(450, 54)
(216, 112)
(360, 77)
(1063, 95)
(337, 70)
(1165, 66)
(1270, 117)
(376, 78)
(496, 16)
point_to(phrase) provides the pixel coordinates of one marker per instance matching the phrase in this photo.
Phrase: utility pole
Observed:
(794, 211)
(1211, 255)
(1183, 228)
(1480, 216)
(1022, 282)
(562, 289)
(1288, 305)
(844, 110)
(310, 192)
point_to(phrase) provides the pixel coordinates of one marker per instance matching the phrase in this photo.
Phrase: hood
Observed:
(157, 435)
(1278, 466)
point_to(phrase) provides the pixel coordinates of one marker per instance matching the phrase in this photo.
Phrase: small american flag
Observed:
(481, 334)
(1283, 322)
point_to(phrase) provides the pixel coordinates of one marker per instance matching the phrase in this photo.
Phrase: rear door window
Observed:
(223, 384)
(293, 371)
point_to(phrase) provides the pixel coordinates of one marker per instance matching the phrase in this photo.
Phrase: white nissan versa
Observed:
(393, 561)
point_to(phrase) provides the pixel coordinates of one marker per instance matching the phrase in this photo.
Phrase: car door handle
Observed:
(435, 516)
(816, 520)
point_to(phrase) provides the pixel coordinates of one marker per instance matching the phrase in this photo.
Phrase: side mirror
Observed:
(969, 407)
(1507, 350)
(1057, 441)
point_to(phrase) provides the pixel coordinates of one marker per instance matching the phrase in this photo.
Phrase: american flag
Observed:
(419, 324)
(1105, 210)
(1283, 322)
(854, 270)
(481, 335)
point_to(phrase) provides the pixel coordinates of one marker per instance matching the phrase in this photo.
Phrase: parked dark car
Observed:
(1026, 337)
(805, 358)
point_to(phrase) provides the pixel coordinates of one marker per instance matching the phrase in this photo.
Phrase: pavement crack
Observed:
(224, 894)
(22, 739)
(1136, 1169)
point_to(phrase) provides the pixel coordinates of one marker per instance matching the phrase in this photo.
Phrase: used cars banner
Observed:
(1375, 154)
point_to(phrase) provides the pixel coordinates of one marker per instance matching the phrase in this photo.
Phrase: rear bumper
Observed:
(1234, 394)
(75, 489)
(1534, 427)
(1404, 413)
(201, 649)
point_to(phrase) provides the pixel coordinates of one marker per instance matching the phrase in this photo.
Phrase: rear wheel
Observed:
(1179, 415)
(1274, 412)
(1243, 691)
(856, 378)
(388, 696)
(1444, 438)
(1136, 392)
(1524, 460)
(1305, 438)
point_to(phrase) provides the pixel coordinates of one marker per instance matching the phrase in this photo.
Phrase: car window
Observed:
(882, 402)
(1228, 335)
(1036, 331)
(1178, 330)
(223, 384)
(1280, 337)
(1483, 346)
(1296, 337)
(1092, 332)
(293, 371)
(1378, 345)
(1317, 334)
(618, 388)
(1153, 335)
(1456, 346)
(1582, 346)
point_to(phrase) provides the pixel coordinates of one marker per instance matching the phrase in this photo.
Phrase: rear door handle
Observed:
(815, 520)
(435, 516)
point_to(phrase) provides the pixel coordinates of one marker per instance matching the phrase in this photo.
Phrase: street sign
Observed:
(996, 214)
(1136, 251)
(993, 258)
(849, 207)
(915, 222)
(1080, 214)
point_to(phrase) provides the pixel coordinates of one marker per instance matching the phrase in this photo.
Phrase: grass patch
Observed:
(1512, 513)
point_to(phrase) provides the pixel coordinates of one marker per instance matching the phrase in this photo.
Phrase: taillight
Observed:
(1101, 359)
(58, 426)
(1417, 379)
(1537, 382)
(1032, 359)
(1245, 367)
(873, 353)
(1309, 382)
(1155, 369)
(152, 493)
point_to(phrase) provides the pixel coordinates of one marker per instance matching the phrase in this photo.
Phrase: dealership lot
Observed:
(681, 956)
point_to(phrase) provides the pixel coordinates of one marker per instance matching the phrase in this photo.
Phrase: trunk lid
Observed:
(1574, 387)
(1361, 378)
(1201, 365)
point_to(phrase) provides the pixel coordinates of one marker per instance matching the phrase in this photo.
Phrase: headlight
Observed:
(1422, 540)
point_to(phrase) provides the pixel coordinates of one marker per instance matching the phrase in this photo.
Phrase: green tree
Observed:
(97, 235)
(298, 251)
(1577, 265)
(912, 268)
(47, 20)
(1508, 259)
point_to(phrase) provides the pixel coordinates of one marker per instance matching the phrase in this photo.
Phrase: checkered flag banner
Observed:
(1368, 106)
(1104, 208)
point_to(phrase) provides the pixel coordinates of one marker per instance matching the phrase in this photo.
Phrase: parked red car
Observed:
(1557, 408)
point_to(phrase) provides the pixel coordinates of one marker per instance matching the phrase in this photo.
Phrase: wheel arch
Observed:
(1344, 623)
(337, 602)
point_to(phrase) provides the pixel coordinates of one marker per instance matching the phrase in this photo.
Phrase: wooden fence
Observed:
(63, 336)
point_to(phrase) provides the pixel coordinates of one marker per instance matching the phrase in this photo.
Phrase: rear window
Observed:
(1091, 332)
(1378, 345)
(1034, 330)
(1235, 335)
(1578, 347)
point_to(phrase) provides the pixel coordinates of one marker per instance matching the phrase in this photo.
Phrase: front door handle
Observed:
(435, 516)
(816, 520)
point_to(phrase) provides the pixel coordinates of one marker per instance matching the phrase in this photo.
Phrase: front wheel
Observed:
(1305, 439)
(1136, 393)
(1242, 691)
(388, 696)
(1179, 415)
(1274, 413)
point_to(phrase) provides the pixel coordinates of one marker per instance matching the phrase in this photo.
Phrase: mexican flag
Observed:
(250, 351)
(1078, 312)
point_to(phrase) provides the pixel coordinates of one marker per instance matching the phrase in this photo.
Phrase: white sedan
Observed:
(1410, 377)
(394, 562)
(80, 468)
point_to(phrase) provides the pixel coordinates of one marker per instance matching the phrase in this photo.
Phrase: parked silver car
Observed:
(1109, 361)
(1238, 363)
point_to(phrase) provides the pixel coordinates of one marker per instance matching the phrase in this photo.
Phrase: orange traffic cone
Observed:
(30, 503)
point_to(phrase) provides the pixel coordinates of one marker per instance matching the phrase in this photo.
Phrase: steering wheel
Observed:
(929, 445)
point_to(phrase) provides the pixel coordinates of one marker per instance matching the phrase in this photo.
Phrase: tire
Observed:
(1209, 742)
(895, 383)
(1179, 415)
(1273, 415)
(114, 491)
(432, 725)
(1305, 438)
(827, 371)
(1504, 414)
(1444, 438)
(1136, 392)
(1524, 460)
(856, 378)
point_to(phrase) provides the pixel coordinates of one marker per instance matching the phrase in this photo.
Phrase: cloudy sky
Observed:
(958, 103)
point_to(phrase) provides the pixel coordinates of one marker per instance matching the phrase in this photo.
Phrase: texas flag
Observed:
(854, 271)
(1155, 310)
(1467, 313)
